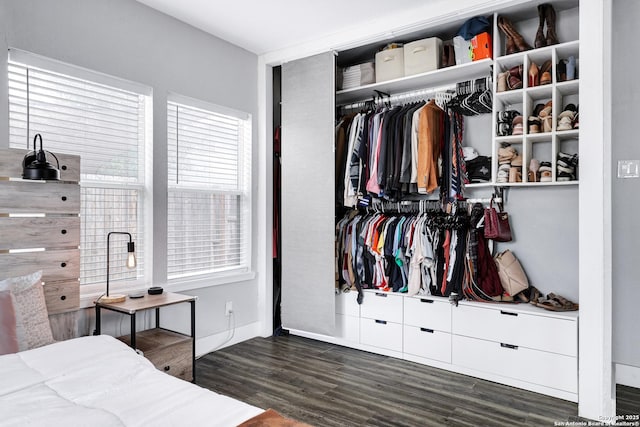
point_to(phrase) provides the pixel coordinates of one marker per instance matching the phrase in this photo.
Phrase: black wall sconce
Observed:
(36, 166)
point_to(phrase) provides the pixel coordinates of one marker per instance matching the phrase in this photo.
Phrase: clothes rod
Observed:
(495, 200)
(402, 96)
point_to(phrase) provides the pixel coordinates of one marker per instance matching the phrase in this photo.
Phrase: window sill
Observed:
(179, 285)
(88, 296)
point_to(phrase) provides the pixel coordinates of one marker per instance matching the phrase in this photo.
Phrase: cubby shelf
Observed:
(524, 100)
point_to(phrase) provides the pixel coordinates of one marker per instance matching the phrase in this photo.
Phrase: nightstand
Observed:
(169, 351)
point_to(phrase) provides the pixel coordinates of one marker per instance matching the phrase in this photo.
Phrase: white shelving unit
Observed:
(543, 146)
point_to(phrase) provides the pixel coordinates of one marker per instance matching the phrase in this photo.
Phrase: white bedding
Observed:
(99, 381)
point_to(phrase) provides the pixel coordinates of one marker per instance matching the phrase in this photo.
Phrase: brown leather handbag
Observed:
(496, 224)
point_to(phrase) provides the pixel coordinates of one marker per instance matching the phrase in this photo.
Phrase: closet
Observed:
(467, 337)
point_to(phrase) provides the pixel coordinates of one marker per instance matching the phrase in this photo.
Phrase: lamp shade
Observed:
(36, 166)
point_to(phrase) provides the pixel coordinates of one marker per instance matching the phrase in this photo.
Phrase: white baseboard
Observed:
(218, 341)
(628, 375)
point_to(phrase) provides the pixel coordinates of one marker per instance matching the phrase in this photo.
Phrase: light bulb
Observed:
(131, 260)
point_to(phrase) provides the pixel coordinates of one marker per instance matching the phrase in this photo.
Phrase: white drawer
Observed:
(347, 328)
(533, 366)
(382, 334)
(382, 306)
(427, 313)
(522, 329)
(427, 343)
(347, 304)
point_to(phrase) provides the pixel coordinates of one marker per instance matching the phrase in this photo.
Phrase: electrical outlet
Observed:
(228, 308)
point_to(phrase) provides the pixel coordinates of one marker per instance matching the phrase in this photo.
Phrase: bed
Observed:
(48, 376)
(100, 381)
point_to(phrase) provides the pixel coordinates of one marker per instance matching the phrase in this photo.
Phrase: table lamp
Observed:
(131, 263)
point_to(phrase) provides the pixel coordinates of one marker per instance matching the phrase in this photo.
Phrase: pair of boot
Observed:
(514, 41)
(547, 14)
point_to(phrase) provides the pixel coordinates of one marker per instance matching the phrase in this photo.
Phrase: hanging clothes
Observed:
(402, 252)
(430, 139)
(379, 152)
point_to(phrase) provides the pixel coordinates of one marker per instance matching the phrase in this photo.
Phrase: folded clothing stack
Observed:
(358, 75)
(479, 169)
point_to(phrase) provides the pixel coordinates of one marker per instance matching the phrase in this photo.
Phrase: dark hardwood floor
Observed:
(328, 385)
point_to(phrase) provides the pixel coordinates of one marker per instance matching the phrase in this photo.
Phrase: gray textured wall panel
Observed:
(308, 300)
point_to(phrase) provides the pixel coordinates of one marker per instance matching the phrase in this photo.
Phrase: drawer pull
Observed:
(511, 346)
(380, 294)
(382, 322)
(426, 330)
(63, 297)
(508, 313)
(428, 301)
(166, 368)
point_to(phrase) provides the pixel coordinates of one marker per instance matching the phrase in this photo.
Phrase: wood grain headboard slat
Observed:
(48, 232)
(11, 164)
(62, 296)
(36, 197)
(56, 265)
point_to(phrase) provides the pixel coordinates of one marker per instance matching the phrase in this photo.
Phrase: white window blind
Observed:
(105, 126)
(209, 152)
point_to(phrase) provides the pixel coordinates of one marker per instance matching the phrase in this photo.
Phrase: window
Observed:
(209, 154)
(105, 121)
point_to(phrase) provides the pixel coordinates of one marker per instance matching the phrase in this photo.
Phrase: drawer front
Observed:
(348, 328)
(522, 329)
(29, 197)
(428, 343)
(38, 232)
(533, 366)
(382, 334)
(347, 304)
(427, 313)
(174, 359)
(56, 265)
(62, 296)
(382, 306)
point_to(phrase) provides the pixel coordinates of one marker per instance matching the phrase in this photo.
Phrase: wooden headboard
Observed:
(42, 215)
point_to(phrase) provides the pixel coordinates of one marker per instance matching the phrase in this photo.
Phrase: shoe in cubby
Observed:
(545, 171)
(504, 122)
(567, 167)
(568, 118)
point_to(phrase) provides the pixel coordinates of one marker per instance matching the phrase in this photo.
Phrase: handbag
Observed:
(512, 276)
(496, 224)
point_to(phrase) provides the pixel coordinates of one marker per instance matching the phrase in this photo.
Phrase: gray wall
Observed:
(544, 223)
(625, 192)
(126, 39)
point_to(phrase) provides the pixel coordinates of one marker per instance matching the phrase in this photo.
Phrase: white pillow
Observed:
(32, 318)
